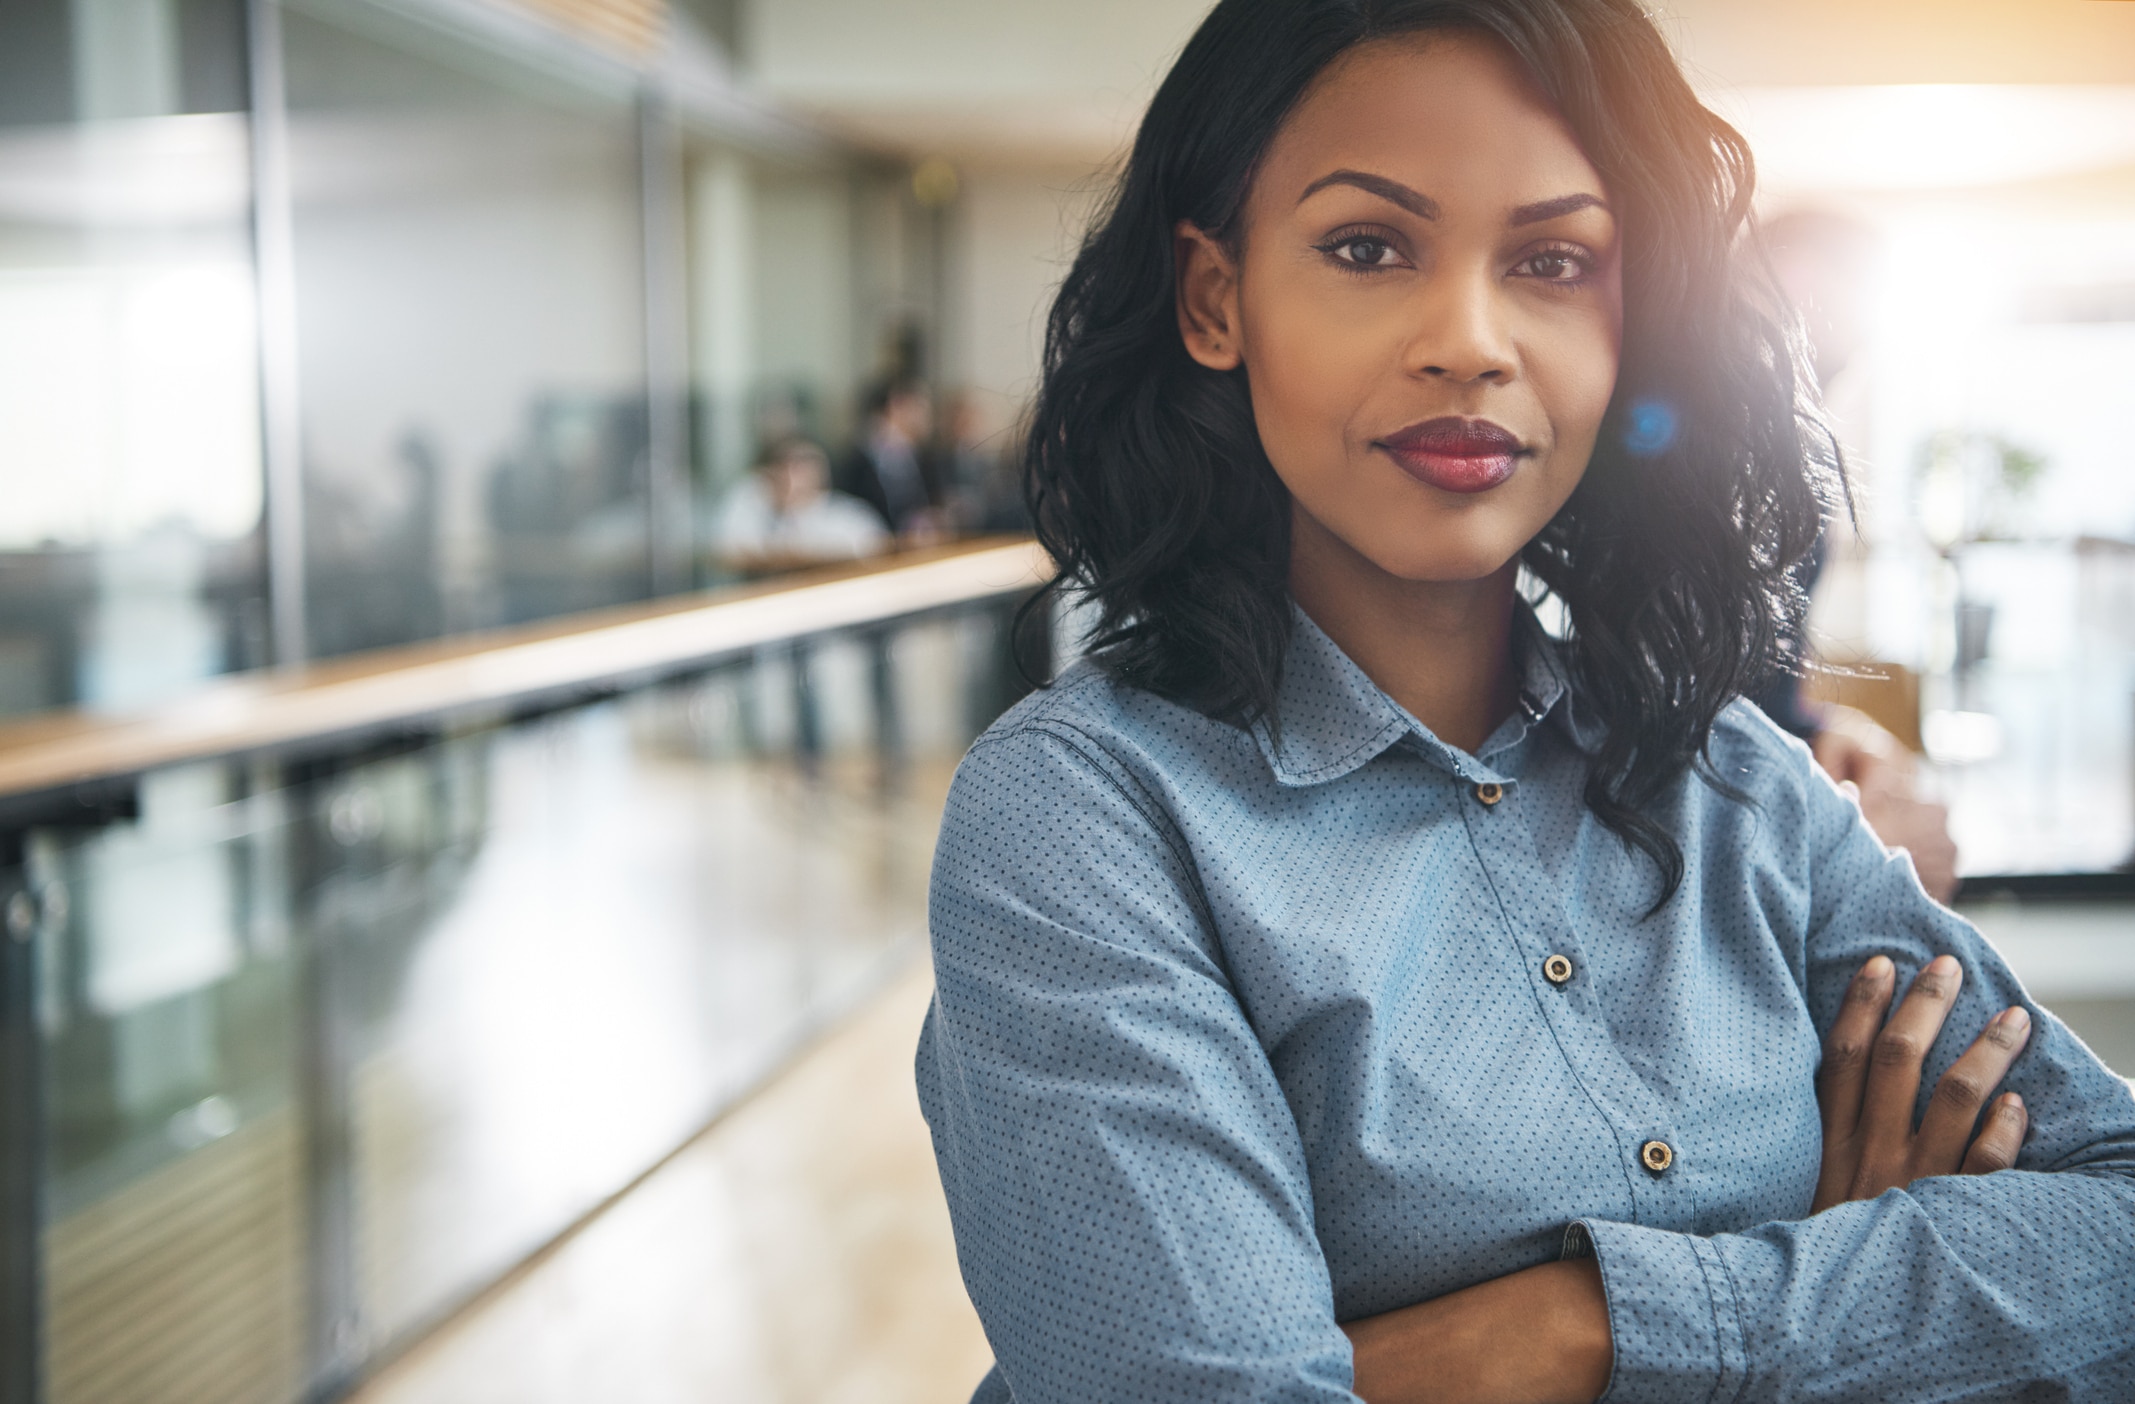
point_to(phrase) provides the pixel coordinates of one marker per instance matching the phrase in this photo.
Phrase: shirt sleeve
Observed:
(2016, 1285)
(1132, 1211)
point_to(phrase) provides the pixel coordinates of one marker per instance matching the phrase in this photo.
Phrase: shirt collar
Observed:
(1331, 718)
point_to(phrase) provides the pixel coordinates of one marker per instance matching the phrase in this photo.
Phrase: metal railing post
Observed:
(670, 534)
(22, 1135)
(335, 1340)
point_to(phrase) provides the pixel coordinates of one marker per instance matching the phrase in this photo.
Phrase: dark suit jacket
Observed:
(894, 501)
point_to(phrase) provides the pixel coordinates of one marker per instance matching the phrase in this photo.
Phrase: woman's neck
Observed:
(1442, 649)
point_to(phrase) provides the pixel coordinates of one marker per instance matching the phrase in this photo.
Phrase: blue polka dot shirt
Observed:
(1241, 1034)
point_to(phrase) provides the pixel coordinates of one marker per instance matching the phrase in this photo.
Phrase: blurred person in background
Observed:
(1824, 262)
(984, 490)
(1346, 989)
(784, 516)
(890, 467)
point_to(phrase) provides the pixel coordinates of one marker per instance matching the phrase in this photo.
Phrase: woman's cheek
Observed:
(1575, 377)
(1304, 400)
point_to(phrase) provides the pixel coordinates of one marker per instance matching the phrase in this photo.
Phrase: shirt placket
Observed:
(1560, 977)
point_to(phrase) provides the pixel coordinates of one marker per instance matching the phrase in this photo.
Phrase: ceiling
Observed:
(1063, 81)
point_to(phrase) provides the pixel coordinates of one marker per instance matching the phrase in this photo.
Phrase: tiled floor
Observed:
(798, 1253)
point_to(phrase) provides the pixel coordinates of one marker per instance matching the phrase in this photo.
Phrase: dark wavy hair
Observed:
(1147, 481)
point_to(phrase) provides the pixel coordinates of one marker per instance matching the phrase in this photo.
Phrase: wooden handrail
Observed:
(284, 707)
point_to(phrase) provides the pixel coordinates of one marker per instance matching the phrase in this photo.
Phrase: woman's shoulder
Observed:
(1762, 760)
(1088, 718)
(1089, 702)
(1744, 730)
(1087, 766)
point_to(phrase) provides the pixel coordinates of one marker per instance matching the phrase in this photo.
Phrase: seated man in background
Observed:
(890, 468)
(784, 516)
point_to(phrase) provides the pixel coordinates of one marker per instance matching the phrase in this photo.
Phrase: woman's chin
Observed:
(1417, 545)
(1443, 562)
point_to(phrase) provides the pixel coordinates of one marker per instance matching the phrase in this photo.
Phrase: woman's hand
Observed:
(1538, 1336)
(1871, 1075)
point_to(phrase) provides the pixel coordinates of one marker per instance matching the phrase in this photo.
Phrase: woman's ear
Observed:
(1208, 299)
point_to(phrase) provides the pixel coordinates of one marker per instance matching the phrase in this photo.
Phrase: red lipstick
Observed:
(1455, 454)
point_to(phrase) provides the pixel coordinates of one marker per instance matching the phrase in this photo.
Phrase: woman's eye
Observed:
(1555, 266)
(1363, 251)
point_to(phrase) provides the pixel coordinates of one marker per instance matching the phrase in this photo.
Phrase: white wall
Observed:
(922, 46)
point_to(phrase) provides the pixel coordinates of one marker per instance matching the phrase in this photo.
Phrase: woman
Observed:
(1345, 989)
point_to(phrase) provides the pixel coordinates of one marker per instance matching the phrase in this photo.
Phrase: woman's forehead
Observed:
(1448, 109)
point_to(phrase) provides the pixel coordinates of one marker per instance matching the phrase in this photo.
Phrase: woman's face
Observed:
(1428, 305)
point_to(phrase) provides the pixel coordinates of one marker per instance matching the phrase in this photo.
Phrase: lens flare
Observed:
(1651, 427)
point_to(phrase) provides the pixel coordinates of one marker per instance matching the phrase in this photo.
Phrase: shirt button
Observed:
(1490, 792)
(1557, 970)
(1656, 1156)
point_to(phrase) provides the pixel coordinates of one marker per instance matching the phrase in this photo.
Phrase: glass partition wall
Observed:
(468, 250)
(544, 309)
(130, 548)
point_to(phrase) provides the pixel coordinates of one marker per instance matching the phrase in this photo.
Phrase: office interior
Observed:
(465, 918)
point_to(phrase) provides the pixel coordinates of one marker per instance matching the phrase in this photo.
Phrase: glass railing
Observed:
(322, 1032)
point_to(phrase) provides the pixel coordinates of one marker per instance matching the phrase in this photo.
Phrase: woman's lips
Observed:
(1455, 454)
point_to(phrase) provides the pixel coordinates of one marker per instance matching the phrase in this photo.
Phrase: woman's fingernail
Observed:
(1943, 965)
(2017, 1017)
(1878, 968)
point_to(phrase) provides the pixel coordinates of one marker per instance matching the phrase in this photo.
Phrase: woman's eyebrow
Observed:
(1551, 209)
(1414, 201)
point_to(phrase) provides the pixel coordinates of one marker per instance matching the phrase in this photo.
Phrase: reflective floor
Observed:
(797, 1253)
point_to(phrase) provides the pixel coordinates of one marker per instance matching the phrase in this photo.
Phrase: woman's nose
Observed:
(1460, 334)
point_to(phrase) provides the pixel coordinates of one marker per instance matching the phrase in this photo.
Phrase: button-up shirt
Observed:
(1242, 1033)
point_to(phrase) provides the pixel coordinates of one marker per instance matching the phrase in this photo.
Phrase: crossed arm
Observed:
(1541, 1336)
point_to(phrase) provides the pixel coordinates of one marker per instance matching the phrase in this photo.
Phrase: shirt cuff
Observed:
(1672, 1315)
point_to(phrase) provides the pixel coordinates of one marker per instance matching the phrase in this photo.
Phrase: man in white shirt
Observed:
(784, 516)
